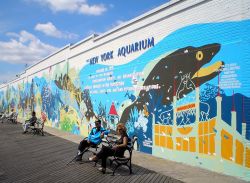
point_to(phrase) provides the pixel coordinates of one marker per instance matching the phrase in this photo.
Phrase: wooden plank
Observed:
(28, 158)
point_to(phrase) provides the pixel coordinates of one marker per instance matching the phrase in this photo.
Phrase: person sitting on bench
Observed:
(118, 149)
(94, 138)
(30, 122)
(3, 116)
(10, 115)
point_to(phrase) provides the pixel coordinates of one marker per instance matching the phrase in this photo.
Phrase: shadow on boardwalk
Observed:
(32, 158)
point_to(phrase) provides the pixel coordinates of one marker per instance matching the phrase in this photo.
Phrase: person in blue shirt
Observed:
(117, 149)
(94, 138)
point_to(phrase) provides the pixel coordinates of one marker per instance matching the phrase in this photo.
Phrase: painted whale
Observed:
(169, 72)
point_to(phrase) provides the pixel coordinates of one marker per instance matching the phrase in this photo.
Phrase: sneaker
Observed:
(79, 152)
(78, 158)
(24, 132)
(94, 158)
(103, 170)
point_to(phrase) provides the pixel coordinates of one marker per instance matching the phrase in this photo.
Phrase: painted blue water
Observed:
(233, 37)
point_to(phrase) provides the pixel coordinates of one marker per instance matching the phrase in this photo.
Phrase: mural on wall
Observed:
(3, 100)
(184, 100)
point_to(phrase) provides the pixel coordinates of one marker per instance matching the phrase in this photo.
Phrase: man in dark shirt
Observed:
(30, 122)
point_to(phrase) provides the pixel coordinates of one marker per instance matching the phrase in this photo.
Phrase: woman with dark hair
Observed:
(118, 149)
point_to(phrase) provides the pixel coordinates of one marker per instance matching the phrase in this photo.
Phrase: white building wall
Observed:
(157, 24)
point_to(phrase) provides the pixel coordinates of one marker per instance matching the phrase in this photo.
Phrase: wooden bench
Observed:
(116, 161)
(126, 160)
(92, 148)
(9, 117)
(13, 118)
(37, 129)
(3, 117)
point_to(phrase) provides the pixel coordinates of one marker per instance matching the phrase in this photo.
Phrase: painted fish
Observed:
(169, 73)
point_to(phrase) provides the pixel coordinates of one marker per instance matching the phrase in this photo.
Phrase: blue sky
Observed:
(32, 29)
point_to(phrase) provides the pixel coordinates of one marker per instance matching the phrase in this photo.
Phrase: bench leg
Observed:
(115, 168)
(130, 170)
(34, 131)
(117, 165)
(130, 167)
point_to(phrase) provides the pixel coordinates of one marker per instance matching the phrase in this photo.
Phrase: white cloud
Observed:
(118, 22)
(73, 6)
(24, 48)
(92, 10)
(115, 24)
(50, 30)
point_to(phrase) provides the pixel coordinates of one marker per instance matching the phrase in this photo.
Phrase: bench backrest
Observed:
(40, 122)
(15, 115)
(131, 142)
(130, 147)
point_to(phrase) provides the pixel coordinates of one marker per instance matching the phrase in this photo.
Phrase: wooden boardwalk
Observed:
(32, 158)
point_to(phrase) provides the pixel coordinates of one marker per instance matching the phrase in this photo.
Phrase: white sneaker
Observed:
(93, 158)
(103, 170)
